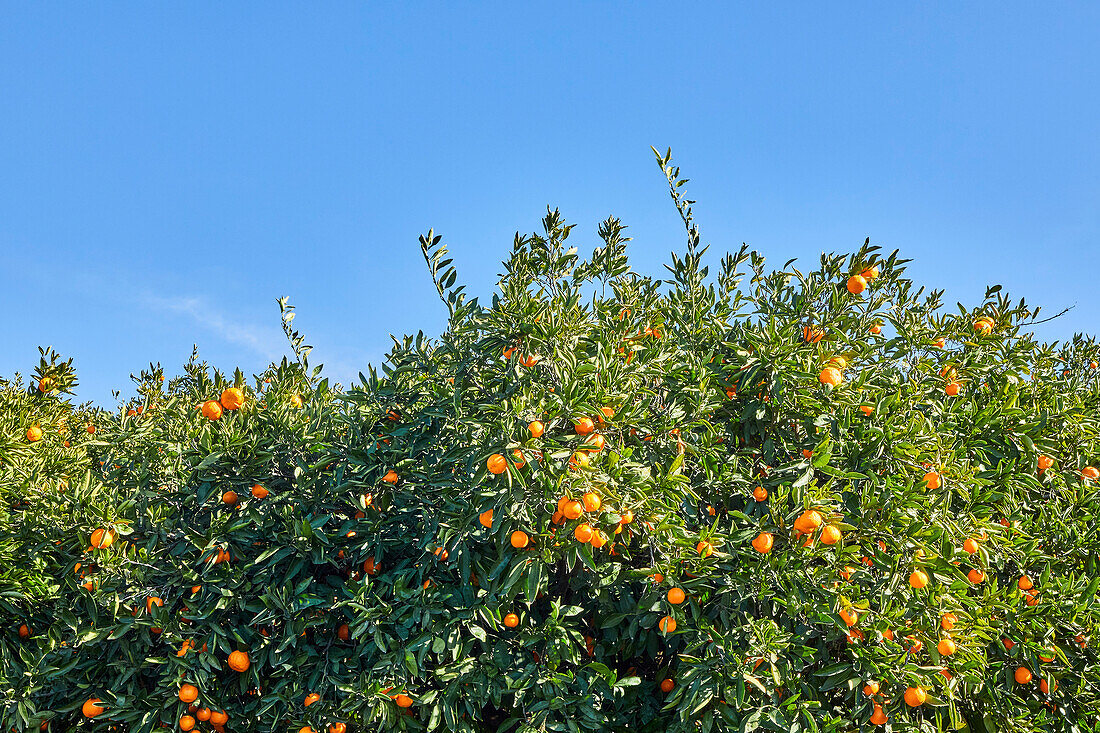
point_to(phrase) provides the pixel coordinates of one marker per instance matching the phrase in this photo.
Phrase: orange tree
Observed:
(752, 499)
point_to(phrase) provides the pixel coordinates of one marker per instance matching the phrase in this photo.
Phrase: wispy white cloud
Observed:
(267, 341)
(341, 363)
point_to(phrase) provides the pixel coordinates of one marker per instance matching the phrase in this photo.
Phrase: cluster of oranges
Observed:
(231, 399)
(858, 283)
(567, 509)
(188, 694)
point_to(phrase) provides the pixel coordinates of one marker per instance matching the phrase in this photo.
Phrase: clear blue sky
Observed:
(167, 172)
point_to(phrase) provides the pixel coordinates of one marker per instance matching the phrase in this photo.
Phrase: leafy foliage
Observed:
(342, 537)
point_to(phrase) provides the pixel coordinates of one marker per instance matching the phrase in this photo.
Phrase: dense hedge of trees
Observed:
(737, 500)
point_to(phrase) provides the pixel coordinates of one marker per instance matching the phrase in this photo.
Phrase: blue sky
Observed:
(167, 172)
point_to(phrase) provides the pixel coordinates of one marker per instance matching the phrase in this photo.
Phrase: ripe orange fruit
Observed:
(932, 480)
(186, 722)
(24, 631)
(870, 689)
(830, 535)
(667, 625)
(830, 376)
(595, 443)
(918, 579)
(1022, 675)
(203, 714)
(763, 543)
(850, 618)
(511, 621)
(91, 707)
(583, 532)
(975, 576)
(219, 718)
(337, 728)
(259, 491)
(592, 502)
(984, 326)
(519, 539)
(211, 409)
(915, 697)
(1047, 689)
(1024, 583)
(536, 428)
(343, 633)
(970, 545)
(952, 388)
(878, 717)
(153, 601)
(857, 284)
(311, 698)
(102, 538)
(239, 661)
(948, 621)
(188, 693)
(486, 518)
(808, 521)
(390, 477)
(34, 434)
(704, 548)
(760, 493)
(496, 464)
(626, 517)
(230, 498)
(584, 426)
(1090, 472)
(946, 647)
(867, 410)
(1045, 462)
(667, 684)
(876, 329)
(676, 596)
(232, 399)
(403, 701)
(870, 273)
(572, 510)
